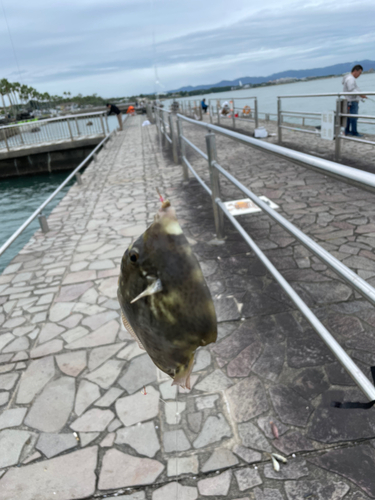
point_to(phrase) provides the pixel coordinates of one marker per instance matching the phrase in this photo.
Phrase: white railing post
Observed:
(70, 129)
(279, 133)
(102, 123)
(338, 129)
(77, 126)
(5, 140)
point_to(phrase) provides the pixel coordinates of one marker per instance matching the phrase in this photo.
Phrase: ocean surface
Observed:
(19, 198)
(267, 98)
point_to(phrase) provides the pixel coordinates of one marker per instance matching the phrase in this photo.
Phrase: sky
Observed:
(127, 47)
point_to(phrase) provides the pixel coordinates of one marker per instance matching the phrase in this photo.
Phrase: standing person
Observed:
(204, 106)
(350, 85)
(114, 109)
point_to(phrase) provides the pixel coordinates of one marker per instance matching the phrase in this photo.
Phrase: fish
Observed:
(165, 302)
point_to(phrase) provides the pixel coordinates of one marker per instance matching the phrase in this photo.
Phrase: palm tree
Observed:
(7, 87)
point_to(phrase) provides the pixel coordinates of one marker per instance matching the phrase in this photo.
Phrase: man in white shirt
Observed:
(350, 85)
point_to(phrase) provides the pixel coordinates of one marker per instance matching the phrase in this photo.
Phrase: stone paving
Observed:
(74, 419)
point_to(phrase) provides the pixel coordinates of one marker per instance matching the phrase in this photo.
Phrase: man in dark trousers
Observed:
(350, 85)
(114, 109)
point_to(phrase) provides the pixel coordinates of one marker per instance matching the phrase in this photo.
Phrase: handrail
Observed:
(337, 134)
(357, 116)
(326, 95)
(357, 375)
(39, 210)
(347, 274)
(358, 284)
(65, 117)
(344, 173)
(199, 151)
(301, 113)
(296, 129)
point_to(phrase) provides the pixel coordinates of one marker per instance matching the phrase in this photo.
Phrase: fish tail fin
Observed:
(182, 378)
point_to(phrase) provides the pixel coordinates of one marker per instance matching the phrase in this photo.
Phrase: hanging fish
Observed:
(165, 302)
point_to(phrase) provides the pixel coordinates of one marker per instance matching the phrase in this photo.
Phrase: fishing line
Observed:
(11, 41)
(176, 443)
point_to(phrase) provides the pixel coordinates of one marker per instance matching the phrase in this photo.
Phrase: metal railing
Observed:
(39, 211)
(244, 113)
(193, 109)
(61, 129)
(219, 210)
(164, 127)
(339, 115)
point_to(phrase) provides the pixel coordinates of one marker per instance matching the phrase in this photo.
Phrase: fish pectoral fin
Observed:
(154, 287)
(131, 331)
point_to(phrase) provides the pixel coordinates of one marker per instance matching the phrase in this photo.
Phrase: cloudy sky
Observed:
(111, 47)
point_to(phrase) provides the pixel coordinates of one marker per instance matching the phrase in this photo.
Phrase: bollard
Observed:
(79, 179)
(182, 150)
(338, 130)
(279, 134)
(43, 223)
(215, 185)
(173, 138)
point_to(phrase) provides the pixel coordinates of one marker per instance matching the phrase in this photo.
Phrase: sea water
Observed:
(267, 98)
(21, 196)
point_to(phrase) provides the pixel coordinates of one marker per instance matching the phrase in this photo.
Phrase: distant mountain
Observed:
(337, 69)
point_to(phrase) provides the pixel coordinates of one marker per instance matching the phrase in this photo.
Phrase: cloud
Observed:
(89, 46)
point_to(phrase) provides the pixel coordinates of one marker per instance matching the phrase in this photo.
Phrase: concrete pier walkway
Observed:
(74, 420)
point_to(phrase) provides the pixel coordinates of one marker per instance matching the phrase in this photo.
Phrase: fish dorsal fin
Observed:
(131, 331)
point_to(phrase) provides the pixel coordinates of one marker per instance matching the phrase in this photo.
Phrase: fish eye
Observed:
(133, 255)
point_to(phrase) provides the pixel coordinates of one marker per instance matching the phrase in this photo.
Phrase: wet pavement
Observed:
(75, 421)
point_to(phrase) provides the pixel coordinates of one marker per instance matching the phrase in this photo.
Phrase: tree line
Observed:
(24, 97)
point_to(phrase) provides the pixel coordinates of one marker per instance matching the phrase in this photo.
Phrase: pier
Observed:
(50, 144)
(84, 413)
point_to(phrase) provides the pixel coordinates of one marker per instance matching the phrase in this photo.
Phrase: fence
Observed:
(338, 119)
(61, 129)
(348, 174)
(39, 211)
